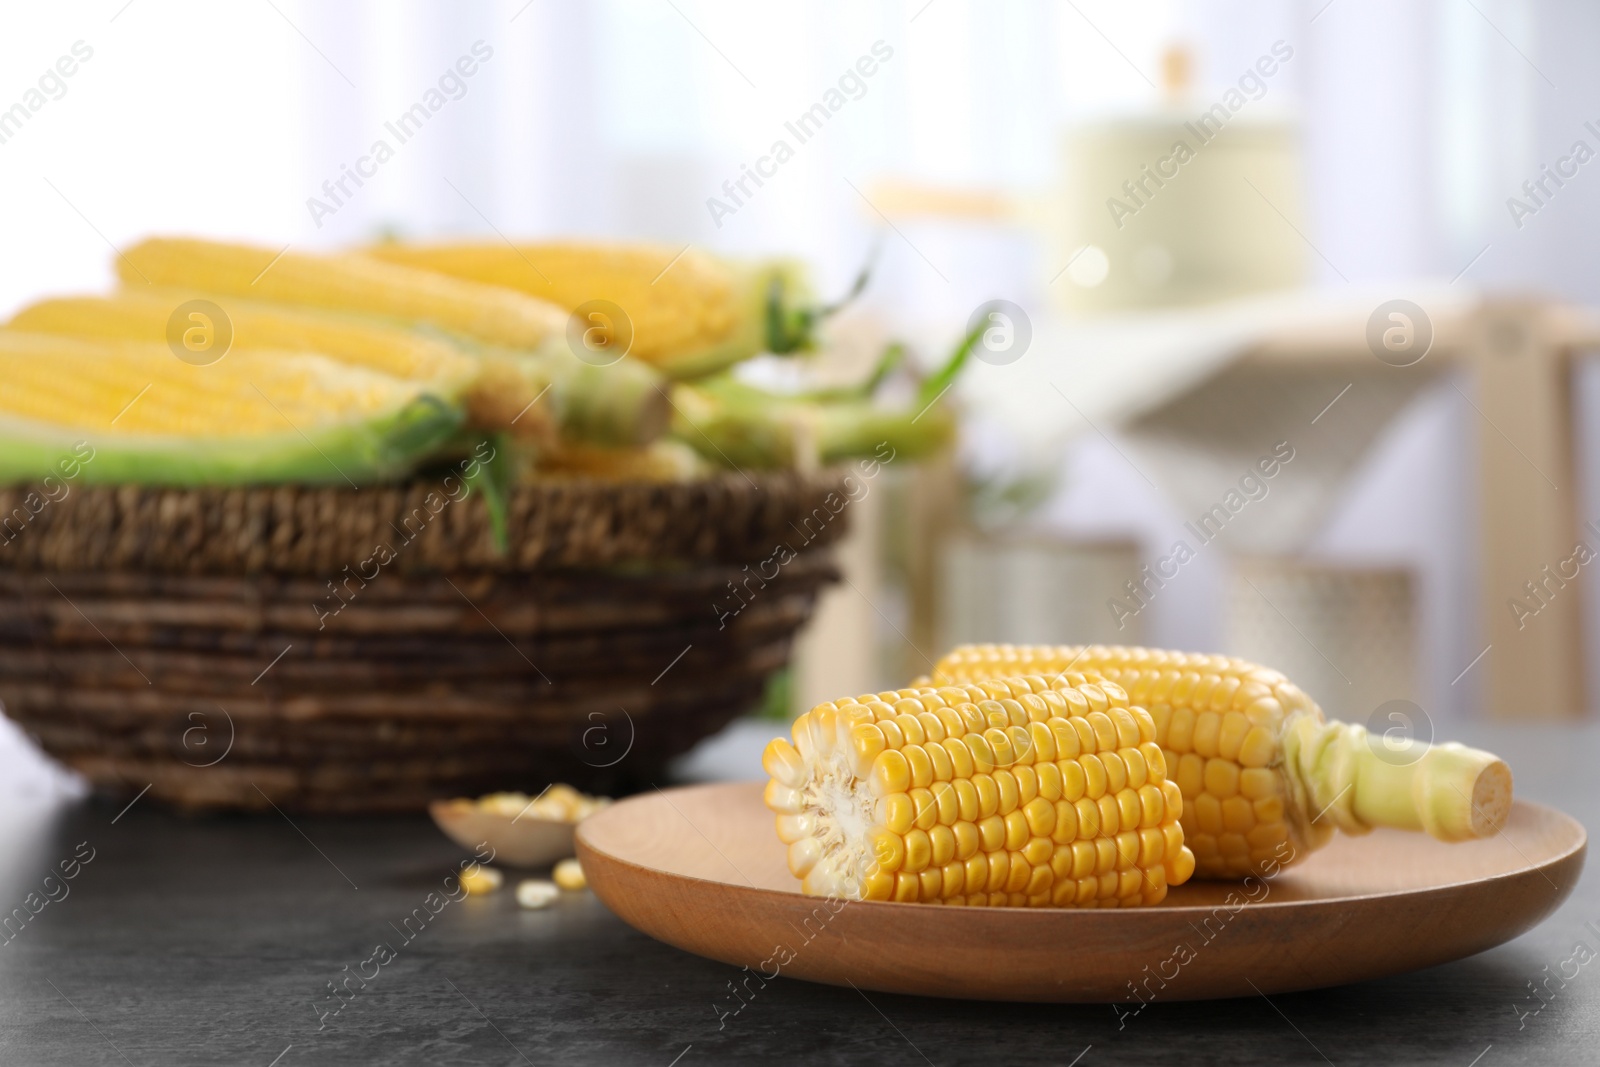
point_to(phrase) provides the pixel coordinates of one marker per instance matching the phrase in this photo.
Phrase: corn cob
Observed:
(1263, 776)
(691, 312)
(345, 283)
(493, 391)
(738, 424)
(521, 341)
(661, 461)
(1002, 793)
(730, 422)
(623, 404)
(143, 315)
(613, 405)
(259, 416)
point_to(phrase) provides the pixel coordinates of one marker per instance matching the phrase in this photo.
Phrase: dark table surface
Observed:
(214, 941)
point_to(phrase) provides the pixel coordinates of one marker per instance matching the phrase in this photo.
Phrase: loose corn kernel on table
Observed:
(183, 941)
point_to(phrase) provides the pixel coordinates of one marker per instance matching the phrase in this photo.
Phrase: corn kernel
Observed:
(1221, 778)
(1237, 815)
(1049, 776)
(1207, 727)
(1006, 784)
(967, 838)
(1027, 784)
(1038, 851)
(1180, 736)
(919, 851)
(1094, 776)
(568, 874)
(1258, 748)
(967, 805)
(1017, 831)
(1041, 816)
(477, 879)
(943, 843)
(534, 893)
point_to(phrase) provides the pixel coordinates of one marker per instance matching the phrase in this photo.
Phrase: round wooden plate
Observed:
(702, 869)
(520, 840)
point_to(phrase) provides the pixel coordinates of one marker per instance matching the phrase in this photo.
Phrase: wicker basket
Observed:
(247, 648)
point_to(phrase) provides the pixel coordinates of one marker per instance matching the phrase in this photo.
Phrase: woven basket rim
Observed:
(318, 530)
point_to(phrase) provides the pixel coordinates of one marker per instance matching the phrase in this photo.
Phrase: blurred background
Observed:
(1188, 318)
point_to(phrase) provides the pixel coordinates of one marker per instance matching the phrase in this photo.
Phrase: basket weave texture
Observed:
(257, 647)
(317, 531)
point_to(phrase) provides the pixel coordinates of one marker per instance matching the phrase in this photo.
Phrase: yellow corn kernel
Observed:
(1017, 831)
(1049, 779)
(478, 879)
(1237, 815)
(1152, 806)
(920, 765)
(919, 851)
(943, 845)
(896, 812)
(968, 840)
(1130, 808)
(1137, 769)
(966, 799)
(1074, 783)
(888, 849)
(947, 802)
(1041, 816)
(1221, 778)
(568, 874)
(1116, 772)
(1094, 776)
(890, 774)
(926, 806)
(1258, 748)
(1232, 733)
(954, 881)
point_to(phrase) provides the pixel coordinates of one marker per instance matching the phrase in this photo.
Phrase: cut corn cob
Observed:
(256, 416)
(345, 283)
(1264, 778)
(1003, 793)
(691, 312)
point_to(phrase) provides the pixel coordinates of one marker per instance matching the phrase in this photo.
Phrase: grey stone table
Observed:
(215, 940)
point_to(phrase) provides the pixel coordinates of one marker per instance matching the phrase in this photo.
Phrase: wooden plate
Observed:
(702, 869)
(517, 841)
